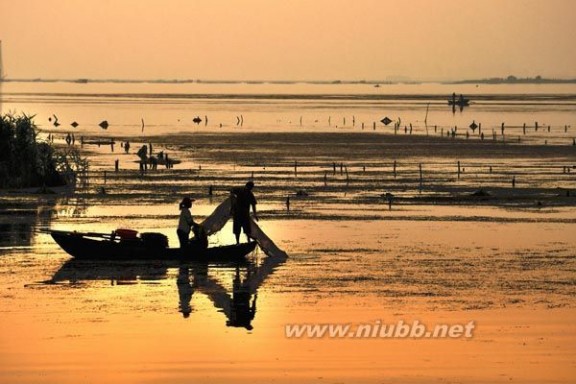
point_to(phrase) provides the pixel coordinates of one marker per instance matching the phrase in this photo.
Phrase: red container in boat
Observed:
(126, 234)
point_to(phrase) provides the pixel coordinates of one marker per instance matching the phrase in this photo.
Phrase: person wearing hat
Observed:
(185, 223)
(242, 200)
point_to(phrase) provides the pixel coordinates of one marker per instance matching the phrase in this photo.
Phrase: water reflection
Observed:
(231, 287)
(116, 272)
(19, 219)
(22, 216)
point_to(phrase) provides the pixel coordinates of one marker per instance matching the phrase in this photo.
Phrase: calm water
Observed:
(509, 266)
(265, 107)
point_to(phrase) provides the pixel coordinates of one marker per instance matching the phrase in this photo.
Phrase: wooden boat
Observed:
(126, 245)
(459, 102)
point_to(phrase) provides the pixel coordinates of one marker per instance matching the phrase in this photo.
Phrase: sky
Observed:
(287, 40)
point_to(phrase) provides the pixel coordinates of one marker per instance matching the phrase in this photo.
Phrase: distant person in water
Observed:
(242, 200)
(185, 223)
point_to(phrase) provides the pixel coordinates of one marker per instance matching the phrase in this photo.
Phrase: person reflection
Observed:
(185, 291)
(242, 312)
(240, 307)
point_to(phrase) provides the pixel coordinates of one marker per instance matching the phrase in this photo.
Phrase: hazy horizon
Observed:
(399, 79)
(257, 40)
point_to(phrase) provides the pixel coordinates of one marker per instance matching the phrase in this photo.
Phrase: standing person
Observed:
(242, 199)
(143, 155)
(185, 222)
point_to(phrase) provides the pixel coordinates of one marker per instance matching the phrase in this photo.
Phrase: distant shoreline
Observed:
(516, 80)
(507, 80)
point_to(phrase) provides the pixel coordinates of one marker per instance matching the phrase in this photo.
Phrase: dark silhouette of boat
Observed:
(458, 101)
(148, 246)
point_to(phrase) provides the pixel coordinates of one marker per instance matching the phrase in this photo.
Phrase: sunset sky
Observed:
(287, 40)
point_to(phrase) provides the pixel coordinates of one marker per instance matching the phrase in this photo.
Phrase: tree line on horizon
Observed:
(511, 79)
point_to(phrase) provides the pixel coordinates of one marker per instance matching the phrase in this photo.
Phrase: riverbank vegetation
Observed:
(26, 161)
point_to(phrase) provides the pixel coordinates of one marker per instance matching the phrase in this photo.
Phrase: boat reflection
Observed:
(117, 272)
(232, 287)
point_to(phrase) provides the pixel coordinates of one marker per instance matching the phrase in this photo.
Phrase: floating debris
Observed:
(104, 124)
(197, 120)
(74, 124)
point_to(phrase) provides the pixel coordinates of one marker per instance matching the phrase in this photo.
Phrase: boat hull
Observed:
(81, 246)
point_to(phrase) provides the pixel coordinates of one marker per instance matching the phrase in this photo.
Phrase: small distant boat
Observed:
(125, 244)
(160, 160)
(459, 102)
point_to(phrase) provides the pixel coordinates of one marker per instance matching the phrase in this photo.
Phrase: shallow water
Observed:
(124, 321)
(437, 255)
(298, 107)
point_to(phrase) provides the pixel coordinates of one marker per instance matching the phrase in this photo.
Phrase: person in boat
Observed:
(242, 199)
(200, 239)
(186, 222)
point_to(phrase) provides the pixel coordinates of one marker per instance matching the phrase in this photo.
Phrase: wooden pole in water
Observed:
(420, 169)
(458, 169)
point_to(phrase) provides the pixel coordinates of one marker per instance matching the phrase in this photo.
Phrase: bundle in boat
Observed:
(154, 240)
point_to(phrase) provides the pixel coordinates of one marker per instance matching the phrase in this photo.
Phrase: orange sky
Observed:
(287, 40)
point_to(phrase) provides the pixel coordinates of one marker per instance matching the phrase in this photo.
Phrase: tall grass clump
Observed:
(26, 162)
